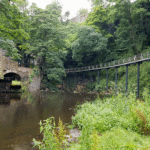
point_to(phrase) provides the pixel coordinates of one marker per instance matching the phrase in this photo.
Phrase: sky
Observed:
(68, 5)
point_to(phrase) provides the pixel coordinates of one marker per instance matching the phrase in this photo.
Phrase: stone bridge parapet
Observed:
(9, 66)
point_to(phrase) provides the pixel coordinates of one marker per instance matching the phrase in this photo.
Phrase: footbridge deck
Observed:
(114, 64)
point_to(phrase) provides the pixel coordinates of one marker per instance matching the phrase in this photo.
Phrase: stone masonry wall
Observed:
(1, 65)
(9, 66)
(35, 85)
(80, 18)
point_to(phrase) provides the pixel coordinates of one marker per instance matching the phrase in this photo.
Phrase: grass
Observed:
(53, 137)
(15, 82)
(114, 123)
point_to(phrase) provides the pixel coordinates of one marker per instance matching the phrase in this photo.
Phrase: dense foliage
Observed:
(34, 33)
(88, 46)
(12, 29)
(119, 122)
(115, 123)
(110, 32)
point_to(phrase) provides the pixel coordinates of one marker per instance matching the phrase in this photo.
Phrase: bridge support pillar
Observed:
(83, 81)
(107, 81)
(90, 81)
(77, 81)
(138, 76)
(62, 84)
(126, 78)
(98, 76)
(116, 80)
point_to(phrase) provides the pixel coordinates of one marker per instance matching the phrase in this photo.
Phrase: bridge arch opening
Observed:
(12, 76)
(12, 81)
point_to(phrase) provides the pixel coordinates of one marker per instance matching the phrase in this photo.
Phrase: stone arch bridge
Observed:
(10, 70)
(8, 66)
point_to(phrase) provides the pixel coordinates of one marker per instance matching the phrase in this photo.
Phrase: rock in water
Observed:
(74, 132)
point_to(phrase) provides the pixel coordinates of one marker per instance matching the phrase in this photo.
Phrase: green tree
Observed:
(99, 20)
(132, 28)
(90, 47)
(47, 39)
(71, 35)
(11, 27)
(98, 2)
(82, 11)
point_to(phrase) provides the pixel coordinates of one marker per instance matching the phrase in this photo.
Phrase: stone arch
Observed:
(9, 76)
(12, 72)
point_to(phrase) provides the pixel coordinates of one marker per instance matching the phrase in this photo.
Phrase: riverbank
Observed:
(22, 112)
(115, 123)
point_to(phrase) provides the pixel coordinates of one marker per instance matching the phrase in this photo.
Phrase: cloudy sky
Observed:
(68, 5)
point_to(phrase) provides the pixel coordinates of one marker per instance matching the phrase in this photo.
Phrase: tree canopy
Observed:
(109, 32)
(89, 45)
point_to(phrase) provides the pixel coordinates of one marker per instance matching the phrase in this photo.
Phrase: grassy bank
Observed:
(116, 123)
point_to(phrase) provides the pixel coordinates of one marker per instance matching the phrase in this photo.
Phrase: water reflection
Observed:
(20, 117)
(21, 113)
(5, 98)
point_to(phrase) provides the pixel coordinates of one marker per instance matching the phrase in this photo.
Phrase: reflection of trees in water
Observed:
(48, 96)
(57, 105)
(31, 99)
(70, 102)
(52, 100)
(39, 106)
(21, 113)
(35, 99)
(5, 98)
(48, 104)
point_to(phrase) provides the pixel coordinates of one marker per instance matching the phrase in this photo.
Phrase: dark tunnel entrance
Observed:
(12, 81)
(12, 76)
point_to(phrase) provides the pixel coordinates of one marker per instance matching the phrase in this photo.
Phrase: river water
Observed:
(20, 115)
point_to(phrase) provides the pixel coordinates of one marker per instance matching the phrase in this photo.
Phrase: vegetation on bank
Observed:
(46, 35)
(108, 34)
(121, 80)
(123, 122)
(114, 123)
(15, 82)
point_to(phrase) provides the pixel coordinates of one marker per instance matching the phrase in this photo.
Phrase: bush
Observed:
(116, 123)
(53, 137)
(114, 139)
(121, 120)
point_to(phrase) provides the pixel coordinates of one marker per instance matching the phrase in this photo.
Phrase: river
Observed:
(20, 115)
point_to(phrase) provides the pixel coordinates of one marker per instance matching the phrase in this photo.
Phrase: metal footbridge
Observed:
(113, 64)
(137, 59)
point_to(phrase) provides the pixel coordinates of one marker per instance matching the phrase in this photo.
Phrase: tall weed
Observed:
(116, 116)
(53, 137)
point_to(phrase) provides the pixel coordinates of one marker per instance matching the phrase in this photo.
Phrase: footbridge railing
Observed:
(116, 63)
(137, 59)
